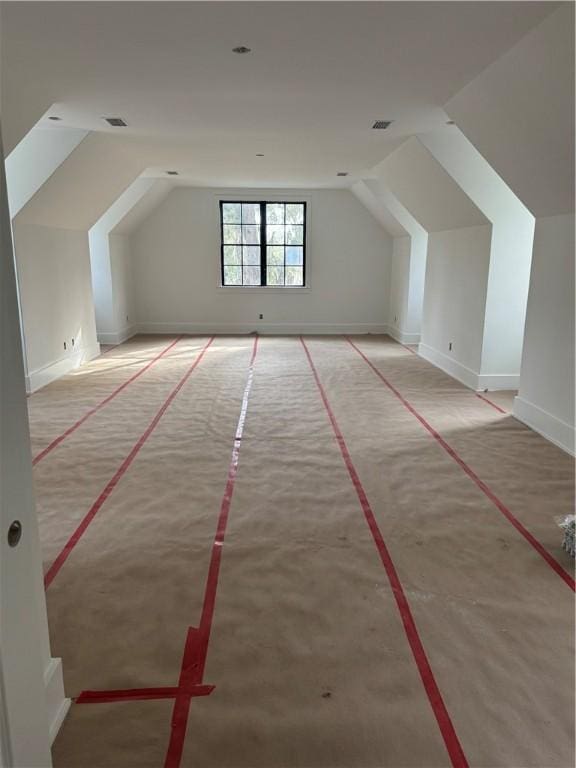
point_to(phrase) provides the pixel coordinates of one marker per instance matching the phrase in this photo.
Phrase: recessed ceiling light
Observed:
(172, 173)
(241, 49)
(450, 122)
(342, 173)
(116, 122)
(382, 124)
(53, 117)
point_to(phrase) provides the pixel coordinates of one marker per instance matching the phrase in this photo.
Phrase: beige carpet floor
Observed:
(359, 554)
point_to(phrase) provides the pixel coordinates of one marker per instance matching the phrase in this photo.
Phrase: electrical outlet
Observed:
(450, 347)
(261, 317)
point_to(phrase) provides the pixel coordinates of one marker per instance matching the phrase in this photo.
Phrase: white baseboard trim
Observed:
(450, 366)
(557, 431)
(42, 376)
(494, 382)
(280, 329)
(117, 337)
(402, 336)
(56, 702)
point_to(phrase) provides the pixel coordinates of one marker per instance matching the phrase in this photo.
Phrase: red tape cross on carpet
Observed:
(190, 684)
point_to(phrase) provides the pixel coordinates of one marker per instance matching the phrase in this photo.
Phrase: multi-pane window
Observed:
(263, 243)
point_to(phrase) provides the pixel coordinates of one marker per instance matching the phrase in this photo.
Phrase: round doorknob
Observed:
(14, 533)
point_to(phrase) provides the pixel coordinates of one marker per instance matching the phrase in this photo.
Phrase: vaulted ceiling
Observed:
(319, 74)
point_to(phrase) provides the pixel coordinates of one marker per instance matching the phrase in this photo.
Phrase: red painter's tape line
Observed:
(530, 538)
(141, 694)
(443, 719)
(100, 405)
(497, 407)
(196, 648)
(87, 519)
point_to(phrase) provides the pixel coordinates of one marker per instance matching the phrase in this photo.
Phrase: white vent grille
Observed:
(381, 125)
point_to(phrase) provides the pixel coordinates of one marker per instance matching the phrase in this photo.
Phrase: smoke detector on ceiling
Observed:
(116, 122)
(381, 125)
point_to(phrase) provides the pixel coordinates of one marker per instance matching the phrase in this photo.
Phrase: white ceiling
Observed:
(319, 74)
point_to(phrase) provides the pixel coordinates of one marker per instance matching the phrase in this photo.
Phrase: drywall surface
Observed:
(109, 282)
(426, 190)
(399, 285)
(378, 209)
(35, 159)
(511, 254)
(455, 299)
(56, 300)
(519, 113)
(176, 269)
(409, 332)
(122, 286)
(546, 397)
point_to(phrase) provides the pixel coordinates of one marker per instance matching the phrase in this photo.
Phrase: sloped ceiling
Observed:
(427, 191)
(519, 113)
(152, 199)
(378, 209)
(318, 76)
(83, 187)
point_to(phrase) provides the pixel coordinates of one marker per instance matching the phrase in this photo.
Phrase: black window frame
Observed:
(263, 243)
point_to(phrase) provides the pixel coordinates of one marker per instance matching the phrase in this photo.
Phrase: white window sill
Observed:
(263, 288)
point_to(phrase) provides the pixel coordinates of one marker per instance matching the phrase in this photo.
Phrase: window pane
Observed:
(294, 213)
(251, 255)
(275, 276)
(231, 234)
(231, 213)
(294, 234)
(294, 276)
(232, 275)
(232, 254)
(275, 213)
(250, 213)
(274, 234)
(250, 234)
(251, 275)
(294, 255)
(275, 255)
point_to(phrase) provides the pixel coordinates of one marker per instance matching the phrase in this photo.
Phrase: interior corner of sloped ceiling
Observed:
(83, 187)
(150, 201)
(519, 114)
(427, 191)
(378, 209)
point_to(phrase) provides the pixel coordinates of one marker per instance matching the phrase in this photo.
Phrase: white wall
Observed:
(407, 328)
(455, 301)
(122, 285)
(56, 300)
(176, 268)
(510, 257)
(399, 285)
(546, 397)
(35, 159)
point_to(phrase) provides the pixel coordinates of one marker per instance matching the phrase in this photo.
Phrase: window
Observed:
(263, 243)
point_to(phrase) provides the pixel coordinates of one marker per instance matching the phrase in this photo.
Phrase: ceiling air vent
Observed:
(116, 122)
(342, 173)
(381, 125)
(172, 173)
